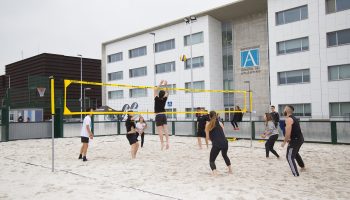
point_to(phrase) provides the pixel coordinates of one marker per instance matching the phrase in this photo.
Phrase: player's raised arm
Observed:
(166, 88)
(156, 88)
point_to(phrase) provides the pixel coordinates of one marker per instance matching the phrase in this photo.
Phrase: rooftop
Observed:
(235, 9)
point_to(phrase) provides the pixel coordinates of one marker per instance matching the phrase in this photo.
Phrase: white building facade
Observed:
(135, 58)
(289, 52)
(310, 57)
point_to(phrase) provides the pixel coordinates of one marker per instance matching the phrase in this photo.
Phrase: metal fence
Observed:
(313, 131)
(19, 131)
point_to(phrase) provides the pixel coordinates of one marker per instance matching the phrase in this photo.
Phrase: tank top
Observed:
(159, 104)
(217, 136)
(296, 133)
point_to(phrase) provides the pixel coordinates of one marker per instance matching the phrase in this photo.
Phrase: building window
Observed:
(138, 92)
(115, 76)
(196, 39)
(339, 109)
(337, 38)
(115, 57)
(199, 85)
(302, 110)
(333, 6)
(170, 86)
(165, 67)
(339, 72)
(141, 51)
(292, 77)
(116, 94)
(165, 45)
(188, 115)
(229, 116)
(228, 99)
(291, 46)
(197, 62)
(171, 116)
(291, 15)
(137, 72)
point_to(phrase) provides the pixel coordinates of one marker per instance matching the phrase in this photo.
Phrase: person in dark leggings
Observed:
(214, 132)
(272, 133)
(295, 138)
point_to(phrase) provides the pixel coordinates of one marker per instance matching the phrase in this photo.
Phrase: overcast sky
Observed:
(72, 27)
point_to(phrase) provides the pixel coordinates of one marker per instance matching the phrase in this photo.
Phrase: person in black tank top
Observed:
(160, 99)
(295, 139)
(131, 135)
(214, 132)
(202, 119)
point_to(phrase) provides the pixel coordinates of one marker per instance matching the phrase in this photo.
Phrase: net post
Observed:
(118, 127)
(334, 132)
(251, 101)
(153, 128)
(53, 122)
(173, 127)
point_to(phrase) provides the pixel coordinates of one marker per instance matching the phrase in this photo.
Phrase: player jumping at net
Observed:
(214, 131)
(86, 134)
(131, 135)
(202, 119)
(272, 133)
(140, 129)
(160, 99)
(295, 138)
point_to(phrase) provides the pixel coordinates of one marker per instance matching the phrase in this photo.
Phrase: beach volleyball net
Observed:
(182, 103)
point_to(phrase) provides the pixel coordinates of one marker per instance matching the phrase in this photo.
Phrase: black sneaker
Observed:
(80, 156)
(84, 159)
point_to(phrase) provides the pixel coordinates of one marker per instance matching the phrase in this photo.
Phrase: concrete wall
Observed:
(249, 32)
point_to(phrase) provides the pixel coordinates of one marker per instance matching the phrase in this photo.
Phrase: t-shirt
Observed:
(271, 129)
(202, 120)
(87, 121)
(140, 127)
(159, 104)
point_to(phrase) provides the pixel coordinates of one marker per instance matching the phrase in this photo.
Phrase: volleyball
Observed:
(183, 58)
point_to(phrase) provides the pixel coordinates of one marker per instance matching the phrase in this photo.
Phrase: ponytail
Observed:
(212, 122)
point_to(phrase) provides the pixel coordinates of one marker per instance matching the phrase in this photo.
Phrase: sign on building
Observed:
(250, 58)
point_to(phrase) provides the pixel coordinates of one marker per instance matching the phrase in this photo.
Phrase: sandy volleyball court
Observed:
(180, 173)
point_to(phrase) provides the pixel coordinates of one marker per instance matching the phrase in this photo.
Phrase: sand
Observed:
(182, 172)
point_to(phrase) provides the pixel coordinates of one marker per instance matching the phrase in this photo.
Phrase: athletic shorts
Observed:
(200, 133)
(160, 119)
(132, 138)
(84, 139)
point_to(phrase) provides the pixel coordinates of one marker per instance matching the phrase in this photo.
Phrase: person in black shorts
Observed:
(295, 138)
(214, 131)
(160, 99)
(132, 135)
(202, 119)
